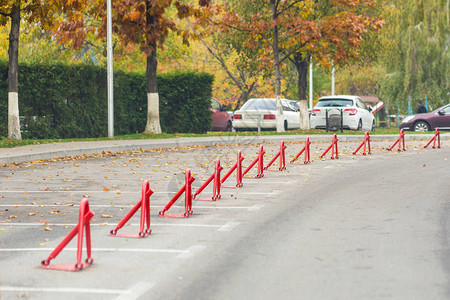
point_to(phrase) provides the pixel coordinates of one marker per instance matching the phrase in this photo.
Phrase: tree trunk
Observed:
(301, 65)
(276, 55)
(13, 76)
(153, 124)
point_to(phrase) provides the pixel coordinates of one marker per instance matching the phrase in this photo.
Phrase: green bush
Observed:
(60, 101)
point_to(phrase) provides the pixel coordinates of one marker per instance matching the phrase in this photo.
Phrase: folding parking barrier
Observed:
(260, 161)
(85, 216)
(365, 143)
(187, 190)
(144, 205)
(238, 167)
(400, 141)
(305, 149)
(333, 147)
(437, 135)
(282, 155)
(216, 187)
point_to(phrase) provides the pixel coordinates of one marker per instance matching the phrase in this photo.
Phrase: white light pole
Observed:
(310, 84)
(332, 81)
(109, 67)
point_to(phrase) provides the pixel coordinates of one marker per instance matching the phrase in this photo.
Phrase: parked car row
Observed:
(356, 115)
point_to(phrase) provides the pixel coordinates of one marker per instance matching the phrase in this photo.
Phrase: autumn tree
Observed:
(15, 11)
(298, 30)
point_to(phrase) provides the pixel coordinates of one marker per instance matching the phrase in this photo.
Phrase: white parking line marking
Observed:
(121, 192)
(144, 250)
(229, 226)
(63, 290)
(107, 224)
(256, 207)
(137, 291)
(191, 251)
(128, 206)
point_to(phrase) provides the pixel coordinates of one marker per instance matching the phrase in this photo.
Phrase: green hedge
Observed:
(60, 101)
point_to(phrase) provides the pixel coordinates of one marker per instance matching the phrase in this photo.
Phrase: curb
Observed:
(61, 150)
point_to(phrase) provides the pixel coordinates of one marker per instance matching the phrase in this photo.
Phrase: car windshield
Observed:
(334, 103)
(255, 104)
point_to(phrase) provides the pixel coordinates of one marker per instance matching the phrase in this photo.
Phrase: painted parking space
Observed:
(52, 197)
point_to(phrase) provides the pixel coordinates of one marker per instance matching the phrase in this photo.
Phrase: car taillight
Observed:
(269, 117)
(315, 111)
(237, 117)
(351, 111)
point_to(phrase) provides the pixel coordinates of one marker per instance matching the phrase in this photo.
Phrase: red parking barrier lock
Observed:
(216, 185)
(333, 147)
(365, 143)
(437, 135)
(83, 225)
(400, 141)
(260, 161)
(187, 190)
(144, 205)
(306, 150)
(238, 168)
(280, 154)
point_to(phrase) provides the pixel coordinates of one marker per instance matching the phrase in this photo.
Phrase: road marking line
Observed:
(63, 290)
(229, 226)
(124, 206)
(112, 224)
(122, 192)
(256, 207)
(191, 251)
(145, 250)
(137, 291)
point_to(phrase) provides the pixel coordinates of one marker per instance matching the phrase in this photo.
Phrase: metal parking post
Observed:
(326, 119)
(342, 120)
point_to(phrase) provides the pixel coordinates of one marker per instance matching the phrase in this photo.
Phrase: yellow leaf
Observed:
(106, 216)
(47, 229)
(32, 213)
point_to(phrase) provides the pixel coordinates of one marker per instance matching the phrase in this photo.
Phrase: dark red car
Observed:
(440, 118)
(221, 120)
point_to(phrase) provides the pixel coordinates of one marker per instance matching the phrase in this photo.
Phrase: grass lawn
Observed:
(7, 143)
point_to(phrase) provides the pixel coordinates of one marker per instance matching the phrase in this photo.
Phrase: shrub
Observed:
(60, 101)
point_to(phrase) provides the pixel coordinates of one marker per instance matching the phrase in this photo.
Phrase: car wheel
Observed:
(229, 127)
(359, 125)
(421, 126)
(285, 125)
(373, 126)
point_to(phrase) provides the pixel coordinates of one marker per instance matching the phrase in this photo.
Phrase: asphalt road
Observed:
(370, 227)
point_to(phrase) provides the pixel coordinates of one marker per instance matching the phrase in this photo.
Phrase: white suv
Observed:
(356, 115)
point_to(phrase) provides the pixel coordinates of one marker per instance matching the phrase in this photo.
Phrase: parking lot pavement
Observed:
(39, 206)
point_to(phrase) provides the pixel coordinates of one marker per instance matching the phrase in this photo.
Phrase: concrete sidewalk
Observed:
(60, 150)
